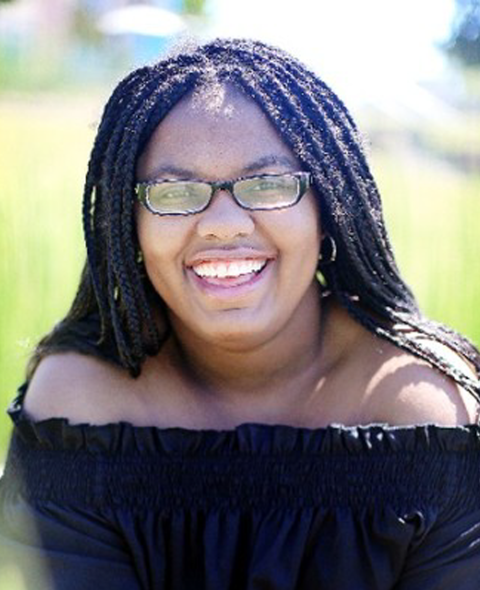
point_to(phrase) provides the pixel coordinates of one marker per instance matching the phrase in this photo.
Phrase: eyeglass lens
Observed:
(184, 197)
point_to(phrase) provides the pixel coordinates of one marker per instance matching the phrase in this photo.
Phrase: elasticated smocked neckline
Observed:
(249, 438)
(253, 464)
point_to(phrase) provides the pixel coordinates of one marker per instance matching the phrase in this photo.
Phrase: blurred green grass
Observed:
(433, 216)
(432, 212)
(45, 146)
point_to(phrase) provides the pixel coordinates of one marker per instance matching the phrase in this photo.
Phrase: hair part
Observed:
(114, 295)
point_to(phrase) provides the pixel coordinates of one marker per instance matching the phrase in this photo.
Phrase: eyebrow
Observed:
(263, 162)
(271, 160)
(170, 169)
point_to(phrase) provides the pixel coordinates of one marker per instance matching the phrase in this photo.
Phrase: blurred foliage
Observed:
(74, 53)
(84, 26)
(41, 245)
(194, 7)
(464, 42)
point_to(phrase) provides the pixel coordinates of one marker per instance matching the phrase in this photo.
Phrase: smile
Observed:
(229, 278)
(228, 269)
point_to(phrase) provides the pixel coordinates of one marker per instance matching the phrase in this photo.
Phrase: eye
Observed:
(266, 184)
(172, 191)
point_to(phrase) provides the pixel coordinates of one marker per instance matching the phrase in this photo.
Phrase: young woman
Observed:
(244, 393)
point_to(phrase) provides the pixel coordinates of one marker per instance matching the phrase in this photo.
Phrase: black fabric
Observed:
(262, 507)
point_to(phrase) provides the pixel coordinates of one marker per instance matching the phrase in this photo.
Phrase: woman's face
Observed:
(270, 257)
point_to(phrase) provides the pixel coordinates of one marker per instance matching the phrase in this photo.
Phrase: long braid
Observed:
(124, 285)
(387, 273)
(320, 97)
(317, 126)
(372, 212)
(109, 118)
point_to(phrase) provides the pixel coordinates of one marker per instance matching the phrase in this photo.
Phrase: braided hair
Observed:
(114, 295)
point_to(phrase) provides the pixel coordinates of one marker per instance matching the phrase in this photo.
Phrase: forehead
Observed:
(216, 131)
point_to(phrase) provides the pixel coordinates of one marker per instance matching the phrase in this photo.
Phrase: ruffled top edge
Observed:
(250, 438)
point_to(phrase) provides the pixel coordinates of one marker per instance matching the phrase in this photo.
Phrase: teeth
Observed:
(224, 270)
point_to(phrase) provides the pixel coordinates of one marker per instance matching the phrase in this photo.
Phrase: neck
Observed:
(255, 371)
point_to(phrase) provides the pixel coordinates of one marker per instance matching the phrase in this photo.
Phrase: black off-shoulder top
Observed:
(260, 507)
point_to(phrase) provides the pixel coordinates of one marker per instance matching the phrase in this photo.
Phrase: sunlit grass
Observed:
(433, 214)
(45, 148)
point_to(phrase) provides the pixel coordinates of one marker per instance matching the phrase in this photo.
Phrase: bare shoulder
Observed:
(405, 390)
(77, 387)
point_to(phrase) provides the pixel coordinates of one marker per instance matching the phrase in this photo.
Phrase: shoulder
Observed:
(405, 390)
(78, 387)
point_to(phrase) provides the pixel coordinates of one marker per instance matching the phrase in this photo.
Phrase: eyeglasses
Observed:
(255, 193)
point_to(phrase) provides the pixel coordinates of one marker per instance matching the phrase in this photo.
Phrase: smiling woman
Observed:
(244, 393)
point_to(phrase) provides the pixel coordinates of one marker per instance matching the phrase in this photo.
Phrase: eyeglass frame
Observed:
(304, 183)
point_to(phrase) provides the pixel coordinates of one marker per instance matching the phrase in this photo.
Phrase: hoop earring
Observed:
(139, 257)
(332, 251)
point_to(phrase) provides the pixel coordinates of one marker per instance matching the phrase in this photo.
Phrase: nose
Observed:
(224, 219)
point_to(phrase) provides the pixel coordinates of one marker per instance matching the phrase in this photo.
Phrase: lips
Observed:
(232, 276)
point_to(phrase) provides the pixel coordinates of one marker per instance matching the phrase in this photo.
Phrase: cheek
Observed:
(298, 230)
(162, 242)
(309, 224)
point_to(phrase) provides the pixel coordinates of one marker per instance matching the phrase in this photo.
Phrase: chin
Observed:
(239, 333)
